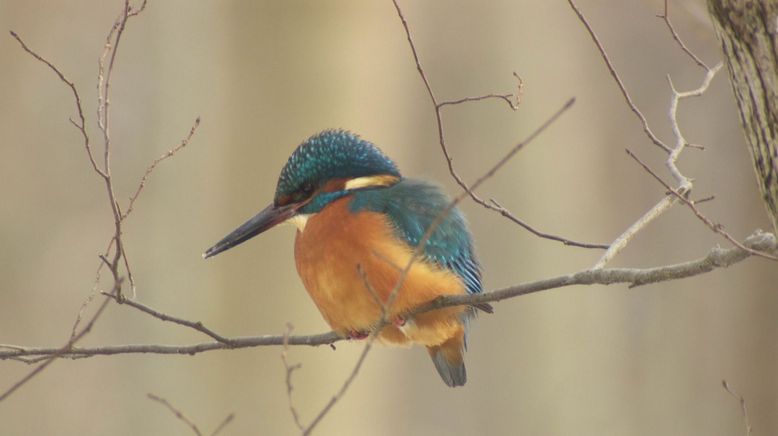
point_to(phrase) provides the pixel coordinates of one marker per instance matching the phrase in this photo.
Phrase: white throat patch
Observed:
(299, 221)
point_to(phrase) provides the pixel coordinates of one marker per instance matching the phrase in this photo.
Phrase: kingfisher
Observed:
(359, 222)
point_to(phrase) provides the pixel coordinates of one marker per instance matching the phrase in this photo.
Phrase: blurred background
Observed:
(264, 76)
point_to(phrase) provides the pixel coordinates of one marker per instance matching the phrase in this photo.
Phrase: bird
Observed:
(359, 221)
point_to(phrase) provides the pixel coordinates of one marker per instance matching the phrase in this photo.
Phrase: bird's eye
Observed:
(307, 189)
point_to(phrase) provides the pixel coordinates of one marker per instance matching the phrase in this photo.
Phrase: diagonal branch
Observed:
(177, 413)
(617, 78)
(684, 183)
(150, 169)
(438, 106)
(715, 227)
(196, 325)
(743, 407)
(665, 16)
(81, 125)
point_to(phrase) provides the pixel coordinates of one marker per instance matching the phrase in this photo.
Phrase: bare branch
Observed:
(716, 258)
(665, 16)
(442, 141)
(228, 419)
(346, 384)
(183, 418)
(55, 353)
(680, 141)
(684, 183)
(507, 98)
(717, 228)
(177, 413)
(617, 78)
(290, 369)
(507, 214)
(156, 162)
(743, 408)
(105, 174)
(196, 325)
(81, 125)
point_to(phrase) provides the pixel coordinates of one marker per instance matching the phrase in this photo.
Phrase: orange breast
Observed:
(336, 244)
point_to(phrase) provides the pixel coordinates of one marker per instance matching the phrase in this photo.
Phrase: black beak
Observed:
(269, 217)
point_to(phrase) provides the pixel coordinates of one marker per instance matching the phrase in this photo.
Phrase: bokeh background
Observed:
(265, 75)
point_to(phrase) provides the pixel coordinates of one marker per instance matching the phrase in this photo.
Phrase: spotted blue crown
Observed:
(329, 155)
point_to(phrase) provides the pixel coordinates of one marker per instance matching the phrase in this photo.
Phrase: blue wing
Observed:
(412, 206)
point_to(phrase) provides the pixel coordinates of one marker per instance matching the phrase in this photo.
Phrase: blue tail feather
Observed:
(452, 373)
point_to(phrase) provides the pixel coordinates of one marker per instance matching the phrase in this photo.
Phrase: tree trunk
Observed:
(748, 30)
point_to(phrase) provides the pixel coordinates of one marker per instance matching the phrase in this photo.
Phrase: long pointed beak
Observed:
(269, 217)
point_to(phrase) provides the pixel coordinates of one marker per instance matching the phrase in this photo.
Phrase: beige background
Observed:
(266, 75)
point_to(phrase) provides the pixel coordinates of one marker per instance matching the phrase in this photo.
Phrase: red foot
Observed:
(399, 321)
(357, 335)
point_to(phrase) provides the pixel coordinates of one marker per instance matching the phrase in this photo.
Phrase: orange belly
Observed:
(349, 262)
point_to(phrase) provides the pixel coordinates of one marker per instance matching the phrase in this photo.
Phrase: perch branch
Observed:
(715, 259)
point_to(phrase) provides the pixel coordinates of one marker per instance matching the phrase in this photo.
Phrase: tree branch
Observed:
(617, 78)
(438, 106)
(715, 259)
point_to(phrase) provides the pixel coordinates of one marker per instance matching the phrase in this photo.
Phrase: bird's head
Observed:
(322, 169)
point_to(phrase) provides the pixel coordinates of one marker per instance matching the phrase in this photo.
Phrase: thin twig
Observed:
(150, 169)
(177, 413)
(444, 147)
(505, 97)
(617, 78)
(223, 424)
(290, 369)
(81, 125)
(346, 384)
(716, 227)
(665, 16)
(507, 214)
(196, 325)
(743, 407)
(625, 237)
(680, 141)
(105, 174)
(52, 355)
(684, 183)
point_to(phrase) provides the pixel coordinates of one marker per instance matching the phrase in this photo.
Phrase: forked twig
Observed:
(177, 413)
(290, 369)
(438, 106)
(682, 196)
(116, 250)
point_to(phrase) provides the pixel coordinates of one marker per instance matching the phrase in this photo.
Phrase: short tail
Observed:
(449, 361)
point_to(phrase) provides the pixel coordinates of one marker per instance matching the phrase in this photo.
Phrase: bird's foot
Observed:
(357, 335)
(399, 322)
